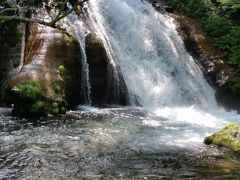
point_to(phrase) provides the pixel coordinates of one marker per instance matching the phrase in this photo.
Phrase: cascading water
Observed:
(156, 66)
(114, 75)
(81, 31)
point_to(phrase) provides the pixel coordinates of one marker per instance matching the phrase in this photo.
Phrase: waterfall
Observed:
(115, 80)
(81, 31)
(154, 62)
(81, 34)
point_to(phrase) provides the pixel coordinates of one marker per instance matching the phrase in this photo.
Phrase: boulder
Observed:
(229, 137)
(51, 66)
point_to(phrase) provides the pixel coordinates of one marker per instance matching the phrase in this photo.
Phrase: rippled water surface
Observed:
(107, 143)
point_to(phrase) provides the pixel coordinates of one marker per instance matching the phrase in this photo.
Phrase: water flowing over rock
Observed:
(98, 64)
(151, 55)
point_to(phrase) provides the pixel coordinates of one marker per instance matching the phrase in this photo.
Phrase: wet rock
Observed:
(98, 68)
(52, 60)
(228, 95)
(101, 74)
(211, 60)
(229, 137)
(169, 9)
(10, 51)
(161, 6)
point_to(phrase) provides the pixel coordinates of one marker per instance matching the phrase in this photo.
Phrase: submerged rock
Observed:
(52, 67)
(229, 137)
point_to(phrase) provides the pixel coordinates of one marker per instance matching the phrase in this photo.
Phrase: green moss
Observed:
(62, 70)
(68, 38)
(58, 87)
(229, 137)
(231, 127)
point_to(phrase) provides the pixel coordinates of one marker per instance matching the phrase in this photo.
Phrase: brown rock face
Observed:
(52, 58)
(201, 47)
(213, 62)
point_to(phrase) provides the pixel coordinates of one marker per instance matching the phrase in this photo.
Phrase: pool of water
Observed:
(109, 143)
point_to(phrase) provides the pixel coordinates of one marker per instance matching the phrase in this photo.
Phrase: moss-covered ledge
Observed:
(229, 137)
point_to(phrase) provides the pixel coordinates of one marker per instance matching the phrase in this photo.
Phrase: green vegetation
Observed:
(232, 86)
(57, 108)
(195, 8)
(29, 100)
(220, 19)
(216, 25)
(62, 70)
(228, 137)
(29, 90)
(230, 43)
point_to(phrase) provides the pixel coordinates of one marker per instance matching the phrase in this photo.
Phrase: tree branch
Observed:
(59, 17)
(51, 23)
(7, 10)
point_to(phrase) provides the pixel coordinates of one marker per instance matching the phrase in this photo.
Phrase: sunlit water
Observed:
(161, 139)
(95, 143)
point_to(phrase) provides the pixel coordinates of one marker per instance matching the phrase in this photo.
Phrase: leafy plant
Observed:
(29, 90)
(216, 25)
(230, 43)
(196, 8)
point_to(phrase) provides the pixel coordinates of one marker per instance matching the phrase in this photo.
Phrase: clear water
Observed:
(120, 143)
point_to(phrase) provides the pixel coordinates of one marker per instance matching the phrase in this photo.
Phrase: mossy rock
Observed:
(229, 137)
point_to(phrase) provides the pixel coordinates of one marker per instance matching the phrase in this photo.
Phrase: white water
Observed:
(158, 70)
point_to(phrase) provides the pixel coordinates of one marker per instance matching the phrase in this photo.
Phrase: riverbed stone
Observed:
(229, 137)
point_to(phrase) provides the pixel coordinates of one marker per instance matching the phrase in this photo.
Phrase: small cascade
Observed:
(86, 89)
(115, 84)
(81, 31)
